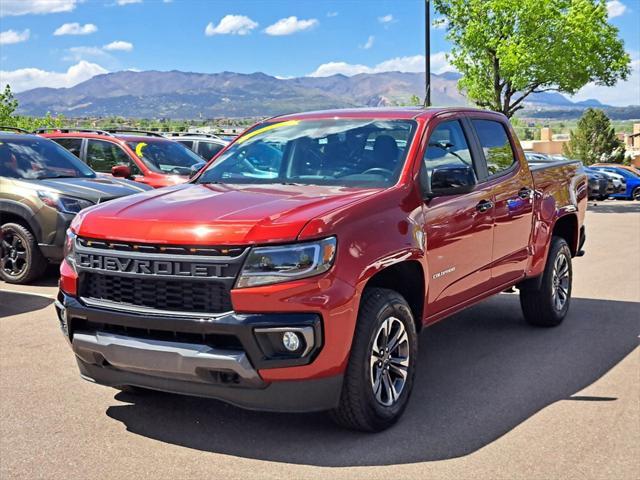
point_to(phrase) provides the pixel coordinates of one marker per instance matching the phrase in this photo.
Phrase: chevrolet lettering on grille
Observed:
(149, 267)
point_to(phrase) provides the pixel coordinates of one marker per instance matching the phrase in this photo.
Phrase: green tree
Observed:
(594, 140)
(509, 49)
(8, 105)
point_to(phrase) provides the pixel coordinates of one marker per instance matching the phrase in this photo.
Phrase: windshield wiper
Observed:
(57, 176)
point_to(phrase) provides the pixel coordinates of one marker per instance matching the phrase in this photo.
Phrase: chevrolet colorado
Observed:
(295, 271)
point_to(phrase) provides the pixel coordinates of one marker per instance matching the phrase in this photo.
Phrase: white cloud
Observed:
(289, 25)
(622, 94)
(28, 78)
(413, 63)
(386, 18)
(11, 36)
(231, 25)
(77, 54)
(332, 14)
(127, 2)
(615, 8)
(38, 7)
(369, 43)
(75, 29)
(119, 46)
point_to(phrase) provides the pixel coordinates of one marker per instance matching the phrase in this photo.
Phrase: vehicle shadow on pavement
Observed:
(17, 303)
(481, 374)
(613, 206)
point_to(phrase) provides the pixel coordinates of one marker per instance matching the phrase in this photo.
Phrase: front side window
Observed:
(74, 145)
(495, 145)
(447, 147)
(101, 156)
(165, 156)
(36, 158)
(367, 153)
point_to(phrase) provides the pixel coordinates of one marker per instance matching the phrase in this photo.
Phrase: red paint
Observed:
(375, 228)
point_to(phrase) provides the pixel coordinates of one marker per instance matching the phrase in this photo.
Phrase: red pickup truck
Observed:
(295, 271)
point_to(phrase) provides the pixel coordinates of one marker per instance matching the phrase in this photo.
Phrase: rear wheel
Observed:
(20, 258)
(381, 368)
(547, 305)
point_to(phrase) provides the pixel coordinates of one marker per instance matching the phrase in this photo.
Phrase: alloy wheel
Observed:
(389, 363)
(14, 259)
(561, 282)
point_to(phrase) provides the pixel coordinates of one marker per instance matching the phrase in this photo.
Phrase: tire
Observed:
(20, 258)
(544, 306)
(602, 198)
(362, 408)
(636, 194)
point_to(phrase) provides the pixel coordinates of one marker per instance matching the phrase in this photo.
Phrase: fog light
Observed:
(291, 341)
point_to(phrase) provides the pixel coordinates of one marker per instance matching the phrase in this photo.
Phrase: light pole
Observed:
(427, 53)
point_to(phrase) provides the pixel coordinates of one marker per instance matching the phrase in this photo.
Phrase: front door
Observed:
(458, 228)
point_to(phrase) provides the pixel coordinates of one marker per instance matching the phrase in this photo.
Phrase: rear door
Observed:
(458, 228)
(74, 145)
(512, 188)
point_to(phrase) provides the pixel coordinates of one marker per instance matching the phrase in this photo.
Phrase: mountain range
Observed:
(187, 95)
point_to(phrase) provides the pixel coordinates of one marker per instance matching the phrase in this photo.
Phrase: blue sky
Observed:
(62, 42)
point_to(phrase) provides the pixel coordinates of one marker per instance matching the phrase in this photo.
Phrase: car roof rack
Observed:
(4, 128)
(125, 130)
(71, 130)
(191, 134)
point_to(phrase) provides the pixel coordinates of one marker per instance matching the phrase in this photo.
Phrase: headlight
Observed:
(69, 250)
(63, 203)
(267, 265)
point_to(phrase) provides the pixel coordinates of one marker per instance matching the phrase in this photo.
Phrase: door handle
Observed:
(524, 192)
(484, 205)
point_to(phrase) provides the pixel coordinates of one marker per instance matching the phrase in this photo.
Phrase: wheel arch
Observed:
(13, 212)
(406, 278)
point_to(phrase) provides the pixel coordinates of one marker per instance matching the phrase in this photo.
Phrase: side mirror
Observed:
(123, 171)
(195, 168)
(449, 180)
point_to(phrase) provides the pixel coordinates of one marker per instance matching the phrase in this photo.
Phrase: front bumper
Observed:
(52, 243)
(218, 357)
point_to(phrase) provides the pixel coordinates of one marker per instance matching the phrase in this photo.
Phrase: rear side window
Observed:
(101, 156)
(186, 143)
(208, 150)
(72, 144)
(495, 145)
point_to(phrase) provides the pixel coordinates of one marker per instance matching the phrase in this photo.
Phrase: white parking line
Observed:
(36, 294)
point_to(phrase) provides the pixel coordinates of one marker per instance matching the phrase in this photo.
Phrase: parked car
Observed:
(600, 187)
(42, 187)
(632, 191)
(205, 145)
(630, 168)
(303, 289)
(144, 157)
(533, 157)
(618, 182)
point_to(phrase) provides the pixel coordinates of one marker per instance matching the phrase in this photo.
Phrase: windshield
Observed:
(364, 153)
(35, 158)
(165, 156)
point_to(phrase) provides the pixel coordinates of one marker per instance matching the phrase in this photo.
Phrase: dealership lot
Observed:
(494, 398)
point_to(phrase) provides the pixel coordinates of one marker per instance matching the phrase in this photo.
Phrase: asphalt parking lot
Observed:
(494, 398)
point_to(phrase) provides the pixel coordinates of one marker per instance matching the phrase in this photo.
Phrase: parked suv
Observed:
(204, 144)
(42, 187)
(303, 287)
(144, 157)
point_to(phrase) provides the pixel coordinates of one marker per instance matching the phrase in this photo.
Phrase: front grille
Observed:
(159, 294)
(213, 340)
(161, 249)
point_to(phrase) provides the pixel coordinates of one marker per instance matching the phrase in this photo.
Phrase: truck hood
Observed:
(96, 190)
(194, 214)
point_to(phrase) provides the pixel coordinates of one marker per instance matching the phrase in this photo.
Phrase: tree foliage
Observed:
(594, 140)
(509, 49)
(8, 118)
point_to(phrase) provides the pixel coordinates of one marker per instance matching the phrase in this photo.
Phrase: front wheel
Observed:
(547, 305)
(636, 193)
(20, 257)
(381, 369)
